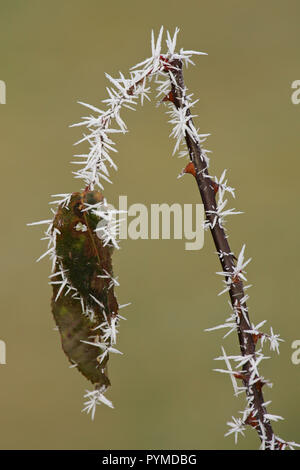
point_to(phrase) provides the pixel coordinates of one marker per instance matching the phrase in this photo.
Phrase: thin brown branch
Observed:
(257, 420)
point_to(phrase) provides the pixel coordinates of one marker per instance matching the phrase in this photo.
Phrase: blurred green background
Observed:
(165, 393)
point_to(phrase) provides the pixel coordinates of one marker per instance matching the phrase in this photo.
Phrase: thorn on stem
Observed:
(169, 97)
(190, 168)
(259, 384)
(240, 375)
(256, 337)
(166, 63)
(215, 186)
(251, 420)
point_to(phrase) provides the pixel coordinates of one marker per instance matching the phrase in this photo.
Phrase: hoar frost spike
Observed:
(84, 304)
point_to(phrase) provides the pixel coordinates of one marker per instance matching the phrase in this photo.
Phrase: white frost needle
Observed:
(274, 341)
(40, 222)
(114, 281)
(222, 183)
(94, 398)
(230, 323)
(97, 301)
(65, 199)
(230, 371)
(236, 427)
(124, 305)
(270, 417)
